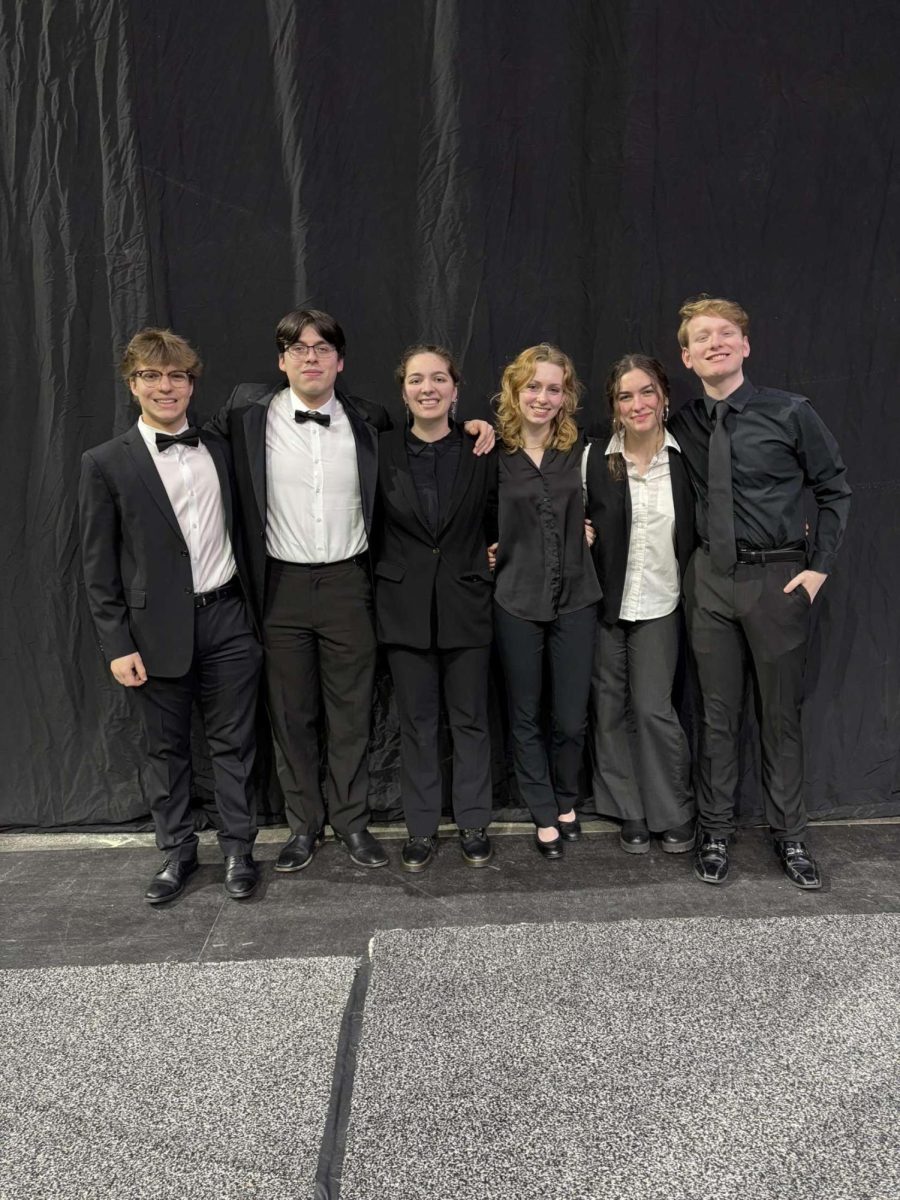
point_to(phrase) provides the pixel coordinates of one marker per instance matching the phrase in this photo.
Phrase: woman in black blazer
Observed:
(640, 502)
(436, 516)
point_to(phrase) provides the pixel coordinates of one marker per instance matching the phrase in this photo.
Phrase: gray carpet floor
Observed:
(736, 1059)
(117, 1082)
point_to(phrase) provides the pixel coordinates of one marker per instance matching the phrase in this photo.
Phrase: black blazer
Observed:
(609, 507)
(137, 567)
(416, 571)
(243, 421)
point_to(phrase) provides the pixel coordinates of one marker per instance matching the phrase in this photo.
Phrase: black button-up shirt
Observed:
(779, 446)
(433, 466)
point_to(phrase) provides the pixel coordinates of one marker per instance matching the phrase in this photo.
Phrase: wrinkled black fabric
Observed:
(488, 176)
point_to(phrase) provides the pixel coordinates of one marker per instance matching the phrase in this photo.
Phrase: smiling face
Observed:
(311, 373)
(715, 352)
(639, 403)
(542, 397)
(428, 389)
(164, 402)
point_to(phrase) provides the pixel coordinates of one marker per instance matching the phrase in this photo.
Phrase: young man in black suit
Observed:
(158, 532)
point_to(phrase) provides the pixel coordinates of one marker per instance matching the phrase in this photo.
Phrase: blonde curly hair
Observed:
(564, 433)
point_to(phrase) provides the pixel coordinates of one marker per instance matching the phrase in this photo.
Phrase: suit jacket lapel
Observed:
(217, 453)
(255, 419)
(401, 476)
(139, 453)
(461, 483)
(366, 437)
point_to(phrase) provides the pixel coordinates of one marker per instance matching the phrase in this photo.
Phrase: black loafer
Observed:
(799, 865)
(241, 876)
(711, 859)
(169, 880)
(417, 853)
(476, 847)
(570, 831)
(297, 852)
(364, 850)
(550, 850)
(634, 837)
(680, 839)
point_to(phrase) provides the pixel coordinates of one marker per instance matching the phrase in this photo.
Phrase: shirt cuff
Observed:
(822, 561)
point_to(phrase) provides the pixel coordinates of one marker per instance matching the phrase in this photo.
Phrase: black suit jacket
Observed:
(243, 421)
(137, 567)
(609, 507)
(415, 570)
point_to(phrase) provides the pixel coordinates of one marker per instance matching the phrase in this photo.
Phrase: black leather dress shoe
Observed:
(550, 850)
(799, 865)
(169, 880)
(364, 850)
(241, 876)
(297, 852)
(417, 853)
(711, 859)
(634, 837)
(680, 839)
(476, 847)
(570, 831)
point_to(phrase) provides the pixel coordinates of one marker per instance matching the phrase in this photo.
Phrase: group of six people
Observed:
(301, 528)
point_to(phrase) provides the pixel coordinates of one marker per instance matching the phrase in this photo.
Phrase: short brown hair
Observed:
(426, 348)
(159, 348)
(700, 305)
(521, 371)
(293, 323)
(651, 367)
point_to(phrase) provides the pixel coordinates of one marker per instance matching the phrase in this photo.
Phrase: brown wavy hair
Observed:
(632, 362)
(520, 371)
(159, 348)
(426, 348)
(702, 305)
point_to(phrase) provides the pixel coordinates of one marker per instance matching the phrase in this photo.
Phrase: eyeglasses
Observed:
(299, 350)
(176, 378)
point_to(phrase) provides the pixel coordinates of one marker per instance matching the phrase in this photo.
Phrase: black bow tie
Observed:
(190, 437)
(319, 418)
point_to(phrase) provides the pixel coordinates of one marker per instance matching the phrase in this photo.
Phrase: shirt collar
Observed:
(616, 444)
(417, 446)
(738, 400)
(148, 433)
(327, 409)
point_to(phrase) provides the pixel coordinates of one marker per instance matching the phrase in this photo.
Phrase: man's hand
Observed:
(492, 556)
(129, 670)
(811, 580)
(484, 434)
(590, 532)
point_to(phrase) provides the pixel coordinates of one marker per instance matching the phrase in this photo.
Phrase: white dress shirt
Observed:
(312, 485)
(652, 586)
(191, 480)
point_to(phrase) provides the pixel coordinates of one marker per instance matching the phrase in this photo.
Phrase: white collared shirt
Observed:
(312, 485)
(191, 480)
(652, 586)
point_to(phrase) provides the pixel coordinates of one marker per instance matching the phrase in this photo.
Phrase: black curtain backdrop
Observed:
(484, 174)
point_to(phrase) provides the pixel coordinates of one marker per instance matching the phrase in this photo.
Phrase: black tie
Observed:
(319, 418)
(720, 520)
(190, 437)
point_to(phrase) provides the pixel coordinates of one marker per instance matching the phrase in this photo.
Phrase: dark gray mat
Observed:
(744, 1059)
(120, 1081)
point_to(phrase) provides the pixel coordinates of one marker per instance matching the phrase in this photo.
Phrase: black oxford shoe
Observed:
(799, 865)
(634, 837)
(169, 880)
(551, 850)
(570, 831)
(297, 852)
(417, 853)
(476, 847)
(680, 839)
(364, 850)
(241, 876)
(711, 859)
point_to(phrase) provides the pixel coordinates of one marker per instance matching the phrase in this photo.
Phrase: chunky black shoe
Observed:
(169, 880)
(570, 831)
(680, 839)
(417, 853)
(298, 851)
(364, 850)
(550, 850)
(476, 847)
(711, 859)
(799, 865)
(241, 876)
(634, 837)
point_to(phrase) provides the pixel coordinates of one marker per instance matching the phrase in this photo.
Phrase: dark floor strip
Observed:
(334, 1140)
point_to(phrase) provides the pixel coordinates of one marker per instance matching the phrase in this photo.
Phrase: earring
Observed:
(453, 407)
(409, 416)
(665, 414)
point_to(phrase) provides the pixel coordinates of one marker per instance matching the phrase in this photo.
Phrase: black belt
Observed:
(748, 557)
(231, 588)
(360, 559)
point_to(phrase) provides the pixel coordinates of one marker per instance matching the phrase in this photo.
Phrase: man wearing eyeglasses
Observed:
(306, 464)
(158, 548)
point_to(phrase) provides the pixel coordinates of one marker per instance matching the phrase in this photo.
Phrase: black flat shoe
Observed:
(711, 859)
(570, 831)
(634, 837)
(169, 880)
(417, 853)
(550, 850)
(241, 876)
(364, 850)
(679, 840)
(799, 865)
(298, 851)
(476, 847)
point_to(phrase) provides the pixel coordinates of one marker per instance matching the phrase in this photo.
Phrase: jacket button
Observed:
(184, 554)
(436, 550)
(188, 591)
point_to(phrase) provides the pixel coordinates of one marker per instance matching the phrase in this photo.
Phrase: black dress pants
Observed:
(420, 676)
(224, 678)
(737, 623)
(319, 641)
(548, 783)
